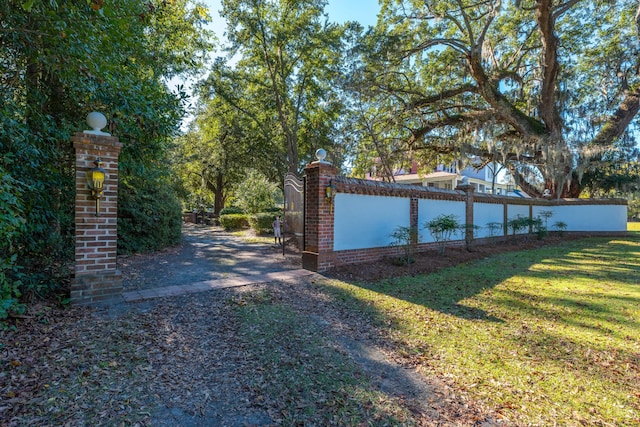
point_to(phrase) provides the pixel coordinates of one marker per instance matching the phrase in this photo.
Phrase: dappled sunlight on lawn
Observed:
(547, 335)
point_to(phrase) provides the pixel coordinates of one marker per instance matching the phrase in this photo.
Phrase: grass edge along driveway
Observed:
(542, 336)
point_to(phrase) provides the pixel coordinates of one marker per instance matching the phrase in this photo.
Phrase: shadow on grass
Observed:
(523, 325)
(594, 260)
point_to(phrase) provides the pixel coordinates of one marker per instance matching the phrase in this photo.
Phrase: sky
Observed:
(340, 11)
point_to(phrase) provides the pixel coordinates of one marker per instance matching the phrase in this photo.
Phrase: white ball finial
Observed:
(321, 154)
(96, 121)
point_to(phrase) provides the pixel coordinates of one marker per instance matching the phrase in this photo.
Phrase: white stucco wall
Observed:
(366, 221)
(485, 213)
(363, 221)
(430, 209)
(590, 217)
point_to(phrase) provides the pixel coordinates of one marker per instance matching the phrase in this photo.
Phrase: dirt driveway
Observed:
(207, 253)
(271, 354)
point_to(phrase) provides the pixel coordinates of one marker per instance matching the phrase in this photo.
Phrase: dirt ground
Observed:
(186, 361)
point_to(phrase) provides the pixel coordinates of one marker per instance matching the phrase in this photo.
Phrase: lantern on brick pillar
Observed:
(95, 181)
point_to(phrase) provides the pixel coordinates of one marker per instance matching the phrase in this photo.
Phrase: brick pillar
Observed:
(413, 220)
(469, 201)
(318, 217)
(505, 216)
(96, 275)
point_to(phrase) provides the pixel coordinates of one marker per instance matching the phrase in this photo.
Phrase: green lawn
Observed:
(543, 336)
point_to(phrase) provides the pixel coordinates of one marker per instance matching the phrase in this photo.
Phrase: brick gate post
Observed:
(96, 275)
(318, 217)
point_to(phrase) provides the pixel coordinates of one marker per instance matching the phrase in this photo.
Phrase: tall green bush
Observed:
(262, 223)
(255, 194)
(149, 217)
(11, 228)
(234, 221)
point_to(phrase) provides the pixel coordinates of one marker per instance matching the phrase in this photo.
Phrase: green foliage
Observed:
(633, 209)
(255, 193)
(149, 217)
(211, 158)
(234, 221)
(433, 73)
(261, 223)
(442, 228)
(531, 225)
(560, 227)
(518, 224)
(274, 210)
(287, 78)
(61, 60)
(12, 226)
(231, 210)
(406, 239)
(494, 228)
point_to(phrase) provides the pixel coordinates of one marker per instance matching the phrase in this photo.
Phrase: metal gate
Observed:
(294, 208)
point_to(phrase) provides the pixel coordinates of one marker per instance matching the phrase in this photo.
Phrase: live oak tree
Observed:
(549, 88)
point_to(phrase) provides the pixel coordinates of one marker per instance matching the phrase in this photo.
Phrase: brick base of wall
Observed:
(310, 261)
(89, 289)
(314, 262)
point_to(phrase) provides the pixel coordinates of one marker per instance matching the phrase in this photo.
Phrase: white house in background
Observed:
(447, 178)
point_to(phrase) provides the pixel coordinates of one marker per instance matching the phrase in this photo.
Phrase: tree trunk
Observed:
(219, 196)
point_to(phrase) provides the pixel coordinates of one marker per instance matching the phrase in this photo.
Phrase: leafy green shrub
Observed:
(406, 239)
(532, 225)
(442, 228)
(234, 221)
(256, 194)
(11, 228)
(560, 226)
(518, 224)
(149, 217)
(494, 228)
(261, 223)
(231, 210)
(274, 210)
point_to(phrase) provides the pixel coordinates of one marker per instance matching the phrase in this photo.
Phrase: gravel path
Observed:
(207, 253)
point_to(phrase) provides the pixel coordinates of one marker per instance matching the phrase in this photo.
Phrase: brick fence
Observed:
(354, 224)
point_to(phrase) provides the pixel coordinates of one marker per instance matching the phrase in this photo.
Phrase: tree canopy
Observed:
(58, 62)
(548, 88)
(288, 63)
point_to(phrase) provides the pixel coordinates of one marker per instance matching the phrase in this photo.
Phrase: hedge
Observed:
(234, 221)
(261, 223)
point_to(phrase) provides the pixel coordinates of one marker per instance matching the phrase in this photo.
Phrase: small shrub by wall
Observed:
(261, 222)
(234, 221)
(231, 210)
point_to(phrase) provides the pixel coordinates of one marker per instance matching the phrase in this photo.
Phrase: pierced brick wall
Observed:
(96, 275)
